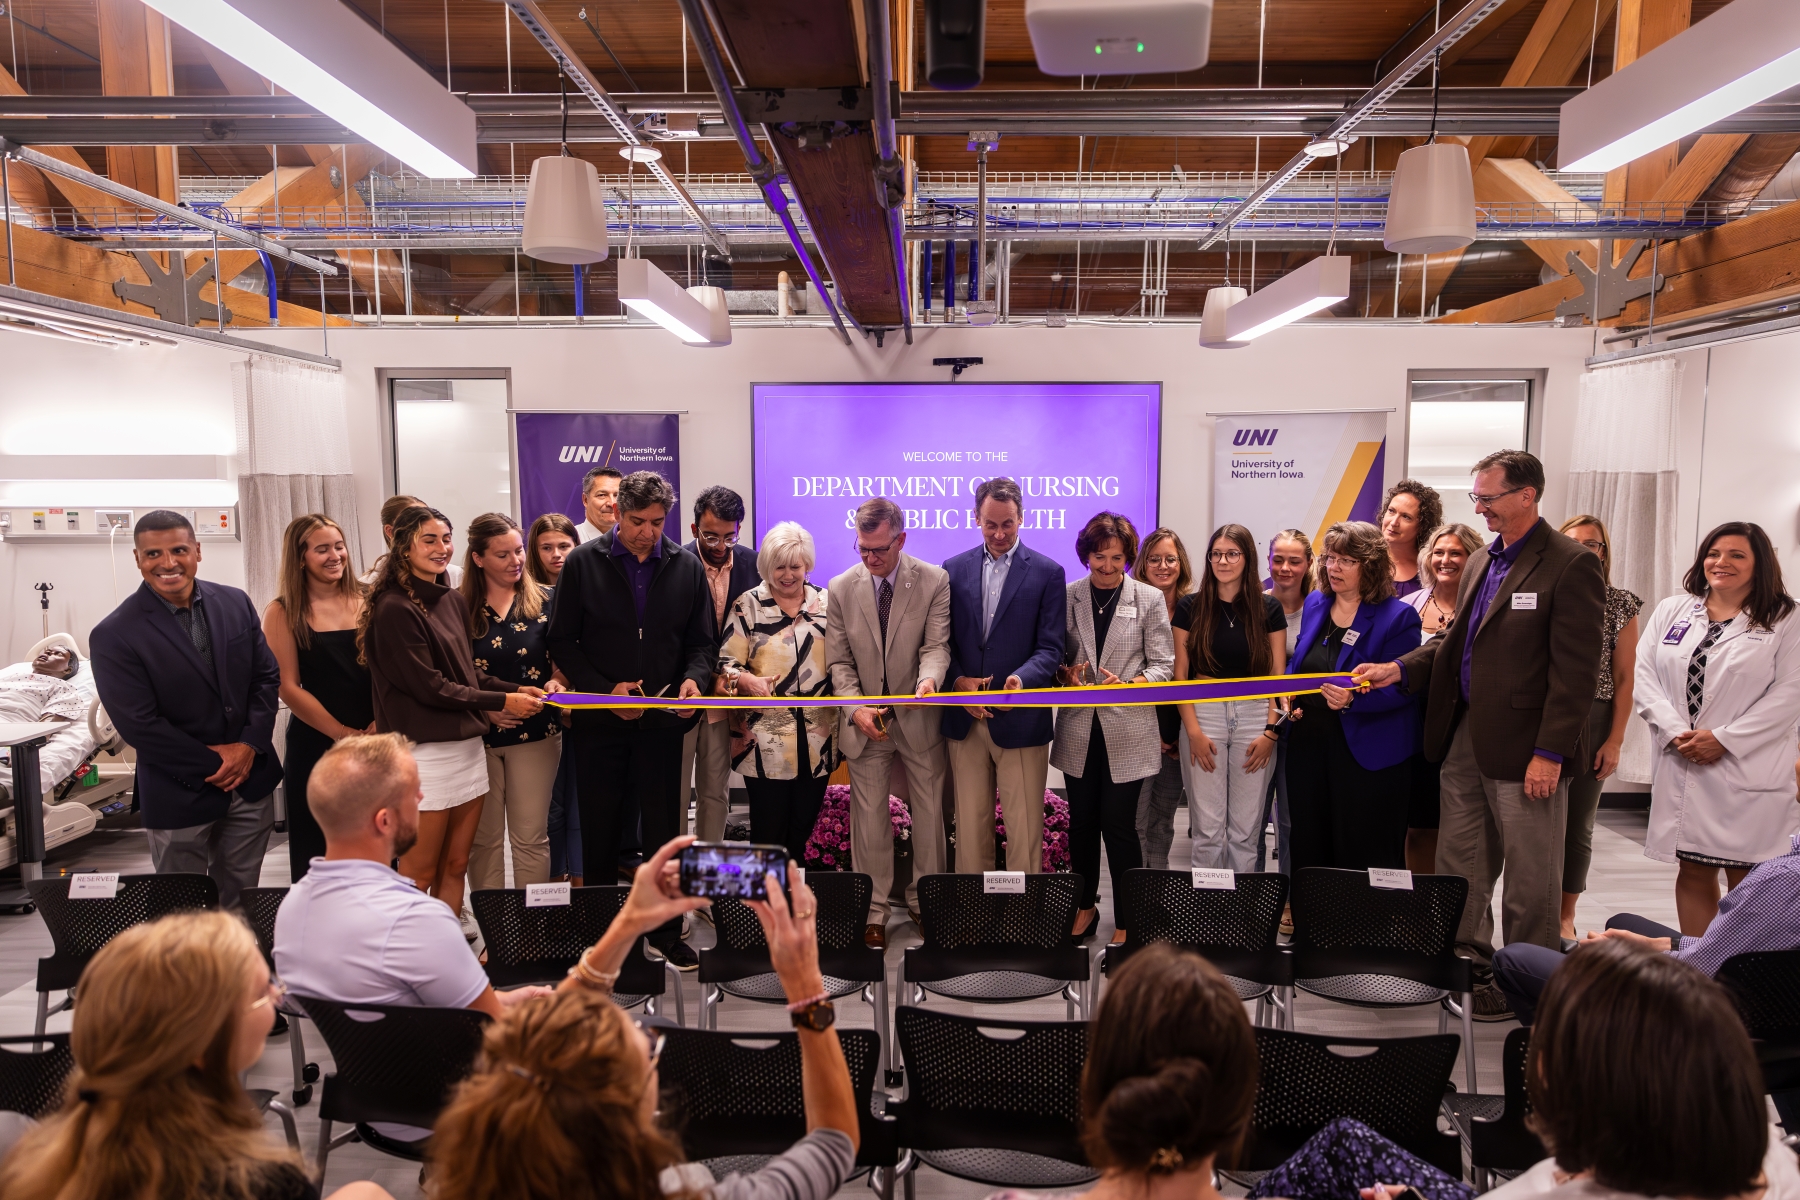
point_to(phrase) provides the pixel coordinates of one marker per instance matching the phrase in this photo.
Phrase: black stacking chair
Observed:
(79, 928)
(539, 945)
(1395, 1086)
(1493, 1127)
(1765, 986)
(739, 964)
(391, 1064)
(260, 906)
(999, 948)
(737, 1100)
(33, 1071)
(1236, 931)
(992, 1100)
(1383, 947)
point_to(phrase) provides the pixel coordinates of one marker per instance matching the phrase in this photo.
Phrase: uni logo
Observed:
(581, 454)
(1255, 437)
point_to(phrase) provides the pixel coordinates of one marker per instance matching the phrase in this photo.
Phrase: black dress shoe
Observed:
(1087, 935)
(680, 954)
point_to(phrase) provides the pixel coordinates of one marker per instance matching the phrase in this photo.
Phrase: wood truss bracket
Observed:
(173, 294)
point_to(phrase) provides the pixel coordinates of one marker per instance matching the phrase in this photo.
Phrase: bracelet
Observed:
(798, 1005)
(1271, 735)
(583, 973)
(1271, 727)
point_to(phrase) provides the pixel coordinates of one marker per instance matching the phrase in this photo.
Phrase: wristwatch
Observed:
(817, 1016)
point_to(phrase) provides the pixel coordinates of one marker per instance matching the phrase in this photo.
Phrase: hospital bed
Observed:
(75, 796)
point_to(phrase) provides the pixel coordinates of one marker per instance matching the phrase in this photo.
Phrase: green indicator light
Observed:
(1096, 47)
(1140, 47)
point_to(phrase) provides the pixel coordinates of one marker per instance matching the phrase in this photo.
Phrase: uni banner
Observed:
(556, 449)
(1297, 470)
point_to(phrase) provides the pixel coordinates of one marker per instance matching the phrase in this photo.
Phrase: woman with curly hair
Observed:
(1409, 512)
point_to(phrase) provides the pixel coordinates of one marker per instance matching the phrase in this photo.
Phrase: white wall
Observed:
(130, 401)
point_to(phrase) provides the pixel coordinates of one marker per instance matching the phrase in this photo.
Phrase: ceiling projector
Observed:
(1119, 37)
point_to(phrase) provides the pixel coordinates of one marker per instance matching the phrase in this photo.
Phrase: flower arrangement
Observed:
(1056, 833)
(828, 847)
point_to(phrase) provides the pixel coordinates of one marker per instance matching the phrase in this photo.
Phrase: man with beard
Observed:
(356, 931)
(730, 572)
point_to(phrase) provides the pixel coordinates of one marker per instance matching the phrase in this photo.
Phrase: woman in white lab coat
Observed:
(1719, 685)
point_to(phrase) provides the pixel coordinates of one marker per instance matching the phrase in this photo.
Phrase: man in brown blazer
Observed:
(887, 633)
(1507, 691)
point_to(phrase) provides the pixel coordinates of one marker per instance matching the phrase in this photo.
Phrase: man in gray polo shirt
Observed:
(356, 931)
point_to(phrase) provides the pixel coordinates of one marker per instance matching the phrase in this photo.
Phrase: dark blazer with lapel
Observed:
(1532, 679)
(165, 703)
(1026, 640)
(597, 641)
(1381, 725)
(744, 576)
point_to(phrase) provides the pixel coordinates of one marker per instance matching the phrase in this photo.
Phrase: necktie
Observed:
(885, 605)
(1696, 677)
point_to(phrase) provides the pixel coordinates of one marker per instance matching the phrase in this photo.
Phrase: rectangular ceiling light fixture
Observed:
(1306, 289)
(332, 59)
(648, 292)
(1744, 53)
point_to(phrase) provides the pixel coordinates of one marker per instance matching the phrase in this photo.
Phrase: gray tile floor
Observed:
(1622, 880)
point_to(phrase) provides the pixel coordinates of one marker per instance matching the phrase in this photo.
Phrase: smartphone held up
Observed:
(731, 869)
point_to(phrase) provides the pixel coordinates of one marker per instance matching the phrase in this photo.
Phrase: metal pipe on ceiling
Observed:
(889, 170)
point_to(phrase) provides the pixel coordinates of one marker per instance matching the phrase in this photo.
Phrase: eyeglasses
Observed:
(718, 539)
(654, 1041)
(1225, 556)
(276, 994)
(863, 551)
(1488, 501)
(1338, 560)
(1596, 547)
(1162, 560)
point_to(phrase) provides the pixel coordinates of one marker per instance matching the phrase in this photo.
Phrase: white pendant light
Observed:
(1431, 206)
(1306, 289)
(1212, 319)
(565, 212)
(330, 57)
(695, 315)
(1744, 53)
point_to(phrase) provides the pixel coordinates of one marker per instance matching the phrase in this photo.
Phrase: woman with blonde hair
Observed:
(169, 1017)
(1162, 562)
(311, 628)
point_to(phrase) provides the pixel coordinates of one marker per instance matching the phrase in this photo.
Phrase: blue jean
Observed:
(1346, 1156)
(565, 822)
(1276, 804)
(1522, 969)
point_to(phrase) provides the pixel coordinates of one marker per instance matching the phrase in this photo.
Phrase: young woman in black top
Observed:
(1228, 629)
(311, 628)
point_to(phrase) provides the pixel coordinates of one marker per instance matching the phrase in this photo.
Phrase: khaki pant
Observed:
(706, 759)
(1490, 824)
(517, 807)
(977, 769)
(871, 826)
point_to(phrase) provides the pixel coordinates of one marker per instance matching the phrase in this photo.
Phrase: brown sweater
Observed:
(426, 684)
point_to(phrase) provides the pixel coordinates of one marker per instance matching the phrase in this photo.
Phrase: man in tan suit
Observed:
(887, 633)
(1507, 691)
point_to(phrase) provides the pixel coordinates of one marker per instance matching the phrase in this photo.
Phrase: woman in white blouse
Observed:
(1718, 683)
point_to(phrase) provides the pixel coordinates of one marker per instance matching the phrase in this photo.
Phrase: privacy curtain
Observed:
(1623, 470)
(293, 445)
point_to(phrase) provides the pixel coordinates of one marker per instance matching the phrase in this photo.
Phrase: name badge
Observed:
(1756, 637)
(1676, 632)
(546, 895)
(1216, 879)
(1525, 600)
(1127, 610)
(1003, 882)
(1352, 636)
(1392, 880)
(94, 885)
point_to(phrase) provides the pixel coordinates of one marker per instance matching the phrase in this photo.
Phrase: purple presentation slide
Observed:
(1075, 448)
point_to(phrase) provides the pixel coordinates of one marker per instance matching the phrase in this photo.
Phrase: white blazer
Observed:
(1742, 806)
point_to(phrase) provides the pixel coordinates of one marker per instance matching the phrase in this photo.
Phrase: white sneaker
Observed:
(470, 929)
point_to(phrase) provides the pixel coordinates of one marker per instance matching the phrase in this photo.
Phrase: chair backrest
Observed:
(33, 1072)
(1395, 1086)
(260, 907)
(1165, 906)
(79, 928)
(1337, 909)
(1507, 1143)
(541, 944)
(957, 912)
(1765, 985)
(843, 911)
(394, 1063)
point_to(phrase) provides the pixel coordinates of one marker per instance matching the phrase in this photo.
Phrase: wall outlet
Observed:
(106, 520)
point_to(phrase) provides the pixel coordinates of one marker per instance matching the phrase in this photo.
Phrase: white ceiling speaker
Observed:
(696, 315)
(1431, 206)
(1212, 319)
(565, 212)
(1119, 37)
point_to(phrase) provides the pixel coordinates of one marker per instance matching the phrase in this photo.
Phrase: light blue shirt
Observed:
(993, 582)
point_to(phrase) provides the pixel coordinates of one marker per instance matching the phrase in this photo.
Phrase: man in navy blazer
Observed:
(189, 682)
(730, 572)
(1007, 608)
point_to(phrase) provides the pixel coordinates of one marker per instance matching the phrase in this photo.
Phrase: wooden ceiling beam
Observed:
(135, 61)
(90, 205)
(1515, 181)
(240, 80)
(1558, 43)
(1643, 26)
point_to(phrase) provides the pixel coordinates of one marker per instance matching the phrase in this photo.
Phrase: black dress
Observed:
(329, 670)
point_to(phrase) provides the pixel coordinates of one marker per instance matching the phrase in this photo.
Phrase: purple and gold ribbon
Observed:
(1122, 695)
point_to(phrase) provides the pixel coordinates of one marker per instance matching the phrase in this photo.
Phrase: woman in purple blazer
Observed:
(1348, 752)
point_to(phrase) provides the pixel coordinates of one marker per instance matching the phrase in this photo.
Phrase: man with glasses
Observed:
(730, 572)
(1507, 691)
(887, 633)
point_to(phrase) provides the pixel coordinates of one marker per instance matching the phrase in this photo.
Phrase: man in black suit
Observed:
(730, 572)
(187, 678)
(632, 615)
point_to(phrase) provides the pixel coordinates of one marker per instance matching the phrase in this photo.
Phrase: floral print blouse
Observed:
(1621, 606)
(516, 648)
(763, 640)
